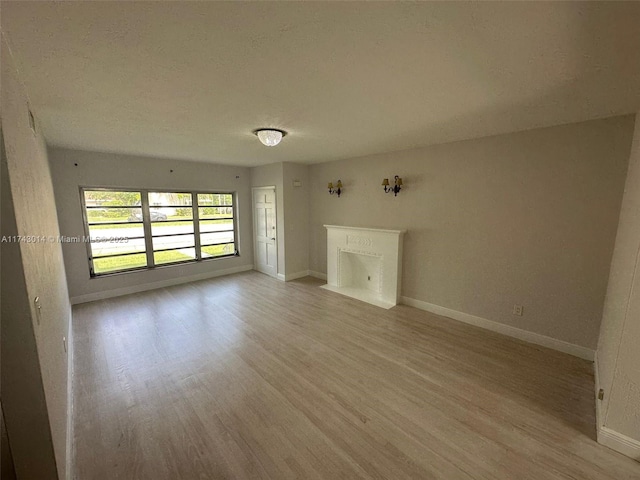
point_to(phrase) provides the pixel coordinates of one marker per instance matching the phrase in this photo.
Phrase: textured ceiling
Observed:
(193, 80)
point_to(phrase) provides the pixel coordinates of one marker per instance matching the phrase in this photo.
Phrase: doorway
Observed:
(265, 247)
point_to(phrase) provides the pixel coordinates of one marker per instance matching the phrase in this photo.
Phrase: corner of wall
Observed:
(616, 373)
(35, 365)
(607, 436)
(70, 403)
(596, 389)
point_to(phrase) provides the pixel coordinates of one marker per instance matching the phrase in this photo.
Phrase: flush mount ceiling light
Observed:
(270, 136)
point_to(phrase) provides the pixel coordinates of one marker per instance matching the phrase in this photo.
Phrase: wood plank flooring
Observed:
(247, 377)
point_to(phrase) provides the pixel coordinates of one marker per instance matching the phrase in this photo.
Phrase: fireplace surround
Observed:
(365, 263)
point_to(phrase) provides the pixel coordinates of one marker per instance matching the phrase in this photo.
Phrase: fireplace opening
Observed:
(360, 270)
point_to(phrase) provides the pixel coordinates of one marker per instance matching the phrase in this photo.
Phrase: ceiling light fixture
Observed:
(270, 136)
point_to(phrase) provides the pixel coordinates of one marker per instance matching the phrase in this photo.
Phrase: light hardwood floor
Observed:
(245, 377)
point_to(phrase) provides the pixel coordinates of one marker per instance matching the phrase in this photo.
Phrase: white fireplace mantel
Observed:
(365, 263)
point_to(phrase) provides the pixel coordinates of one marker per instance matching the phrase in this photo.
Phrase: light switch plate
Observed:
(36, 303)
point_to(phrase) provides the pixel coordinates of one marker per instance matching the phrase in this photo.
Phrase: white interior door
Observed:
(264, 231)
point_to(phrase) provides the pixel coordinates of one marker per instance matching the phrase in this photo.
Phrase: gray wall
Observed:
(619, 346)
(296, 218)
(112, 170)
(527, 218)
(34, 361)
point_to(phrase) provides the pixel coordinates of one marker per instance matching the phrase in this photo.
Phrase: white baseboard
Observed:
(304, 273)
(320, 275)
(619, 442)
(294, 276)
(117, 292)
(606, 436)
(527, 336)
(70, 444)
(360, 294)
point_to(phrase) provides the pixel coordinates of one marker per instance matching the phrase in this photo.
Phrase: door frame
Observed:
(253, 225)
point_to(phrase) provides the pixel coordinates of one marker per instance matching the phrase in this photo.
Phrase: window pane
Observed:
(216, 237)
(114, 214)
(178, 213)
(215, 225)
(109, 230)
(215, 212)
(179, 241)
(112, 264)
(110, 198)
(106, 246)
(217, 250)
(170, 256)
(168, 206)
(169, 198)
(215, 199)
(171, 228)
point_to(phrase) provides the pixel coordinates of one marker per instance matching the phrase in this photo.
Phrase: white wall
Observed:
(34, 361)
(618, 360)
(527, 218)
(111, 170)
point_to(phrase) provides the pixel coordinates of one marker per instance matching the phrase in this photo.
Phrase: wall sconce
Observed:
(396, 187)
(337, 189)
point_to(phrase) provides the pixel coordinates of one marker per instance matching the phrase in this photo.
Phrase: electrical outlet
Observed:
(518, 310)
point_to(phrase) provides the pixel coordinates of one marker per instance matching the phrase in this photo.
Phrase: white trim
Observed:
(117, 292)
(398, 232)
(70, 443)
(320, 275)
(607, 437)
(619, 442)
(287, 277)
(527, 336)
(295, 276)
(303, 273)
(360, 294)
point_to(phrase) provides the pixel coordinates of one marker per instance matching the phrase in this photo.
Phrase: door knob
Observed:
(273, 238)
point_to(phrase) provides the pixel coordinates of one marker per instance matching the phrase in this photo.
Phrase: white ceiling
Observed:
(193, 80)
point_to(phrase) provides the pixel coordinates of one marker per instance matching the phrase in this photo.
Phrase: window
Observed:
(132, 230)
(217, 232)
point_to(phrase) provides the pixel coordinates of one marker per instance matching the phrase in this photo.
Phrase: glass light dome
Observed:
(270, 137)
